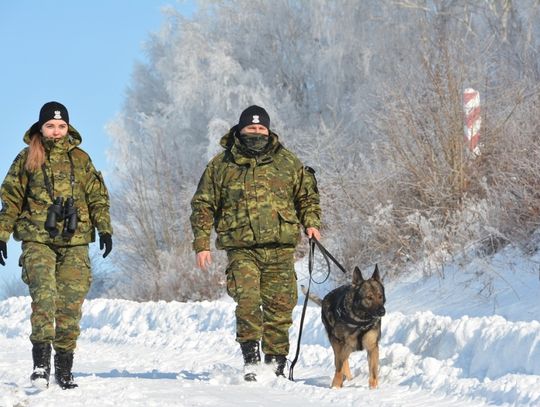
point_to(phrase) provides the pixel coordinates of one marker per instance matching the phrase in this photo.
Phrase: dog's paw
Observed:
(373, 383)
(337, 382)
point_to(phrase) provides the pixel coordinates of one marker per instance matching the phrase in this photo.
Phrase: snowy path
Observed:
(177, 354)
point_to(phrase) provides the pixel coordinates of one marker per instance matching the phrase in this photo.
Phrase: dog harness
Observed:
(357, 323)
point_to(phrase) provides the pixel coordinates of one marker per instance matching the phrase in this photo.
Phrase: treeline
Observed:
(370, 95)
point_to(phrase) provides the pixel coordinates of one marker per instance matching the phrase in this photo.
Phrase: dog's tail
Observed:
(311, 296)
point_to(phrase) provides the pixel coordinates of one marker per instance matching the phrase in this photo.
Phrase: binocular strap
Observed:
(48, 185)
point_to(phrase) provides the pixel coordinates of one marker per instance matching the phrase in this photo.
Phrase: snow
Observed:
(445, 342)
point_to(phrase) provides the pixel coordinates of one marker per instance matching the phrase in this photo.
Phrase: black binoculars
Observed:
(62, 211)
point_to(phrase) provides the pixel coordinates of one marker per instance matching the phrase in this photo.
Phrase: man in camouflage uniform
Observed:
(55, 262)
(257, 195)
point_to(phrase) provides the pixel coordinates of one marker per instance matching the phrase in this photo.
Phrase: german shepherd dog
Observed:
(352, 315)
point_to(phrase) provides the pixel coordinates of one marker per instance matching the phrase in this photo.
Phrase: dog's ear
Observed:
(357, 277)
(376, 275)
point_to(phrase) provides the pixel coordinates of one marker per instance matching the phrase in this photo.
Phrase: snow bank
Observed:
(479, 359)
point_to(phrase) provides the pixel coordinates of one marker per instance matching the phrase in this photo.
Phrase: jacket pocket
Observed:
(84, 224)
(289, 227)
(234, 231)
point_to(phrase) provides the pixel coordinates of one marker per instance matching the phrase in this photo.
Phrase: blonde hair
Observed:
(36, 153)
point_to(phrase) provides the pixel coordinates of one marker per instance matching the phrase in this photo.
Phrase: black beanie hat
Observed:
(254, 115)
(52, 110)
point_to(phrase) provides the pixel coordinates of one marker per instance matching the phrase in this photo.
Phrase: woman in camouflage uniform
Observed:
(52, 200)
(257, 195)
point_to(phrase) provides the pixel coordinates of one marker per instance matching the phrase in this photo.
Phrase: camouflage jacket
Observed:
(254, 201)
(25, 198)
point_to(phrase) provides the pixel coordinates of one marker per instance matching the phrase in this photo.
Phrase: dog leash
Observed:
(327, 257)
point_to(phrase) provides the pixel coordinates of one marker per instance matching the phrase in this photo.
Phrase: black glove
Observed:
(3, 252)
(105, 241)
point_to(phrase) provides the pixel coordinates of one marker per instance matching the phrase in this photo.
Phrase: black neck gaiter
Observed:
(254, 144)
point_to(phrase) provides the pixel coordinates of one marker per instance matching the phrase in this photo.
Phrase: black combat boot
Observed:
(41, 354)
(279, 362)
(252, 357)
(63, 362)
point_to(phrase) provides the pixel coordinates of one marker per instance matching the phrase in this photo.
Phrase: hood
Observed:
(75, 137)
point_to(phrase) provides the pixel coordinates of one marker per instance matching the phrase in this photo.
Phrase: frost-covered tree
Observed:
(368, 93)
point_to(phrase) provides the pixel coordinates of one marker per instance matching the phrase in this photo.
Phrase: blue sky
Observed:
(79, 53)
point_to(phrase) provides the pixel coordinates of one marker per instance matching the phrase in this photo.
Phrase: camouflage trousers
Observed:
(58, 279)
(262, 281)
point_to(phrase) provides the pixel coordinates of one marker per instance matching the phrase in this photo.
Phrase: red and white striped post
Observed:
(473, 121)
